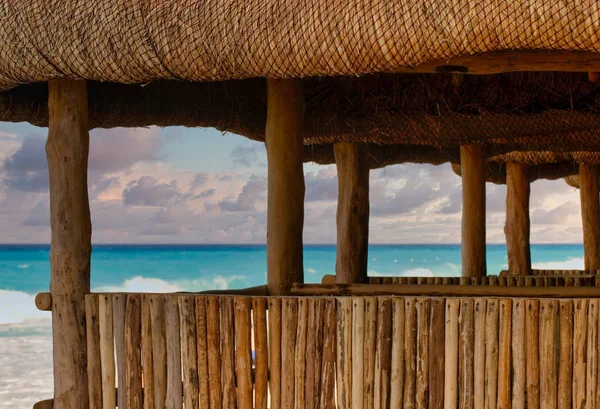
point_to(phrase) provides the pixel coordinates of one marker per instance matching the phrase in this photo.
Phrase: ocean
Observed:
(25, 332)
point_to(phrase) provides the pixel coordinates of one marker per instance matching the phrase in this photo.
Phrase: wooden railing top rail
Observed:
(450, 290)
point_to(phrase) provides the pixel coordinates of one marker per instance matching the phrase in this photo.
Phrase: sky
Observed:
(192, 185)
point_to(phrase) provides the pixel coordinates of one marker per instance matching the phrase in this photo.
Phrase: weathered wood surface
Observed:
(43, 301)
(517, 225)
(590, 214)
(352, 219)
(285, 202)
(389, 352)
(472, 160)
(119, 309)
(67, 150)
(447, 290)
(94, 360)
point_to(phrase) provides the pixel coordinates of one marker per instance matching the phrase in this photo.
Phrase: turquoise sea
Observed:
(25, 345)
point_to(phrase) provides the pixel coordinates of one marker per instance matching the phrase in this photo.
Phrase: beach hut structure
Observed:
(361, 84)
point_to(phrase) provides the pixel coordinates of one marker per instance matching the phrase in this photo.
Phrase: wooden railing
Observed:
(364, 352)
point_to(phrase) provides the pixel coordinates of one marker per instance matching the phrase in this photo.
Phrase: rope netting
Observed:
(135, 41)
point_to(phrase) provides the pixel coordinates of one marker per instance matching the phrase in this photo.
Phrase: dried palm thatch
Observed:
(495, 172)
(196, 40)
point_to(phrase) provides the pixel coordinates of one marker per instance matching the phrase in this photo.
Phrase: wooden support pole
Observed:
(352, 219)
(590, 214)
(67, 151)
(472, 160)
(517, 224)
(285, 207)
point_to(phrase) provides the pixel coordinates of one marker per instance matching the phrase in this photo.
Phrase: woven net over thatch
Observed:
(142, 40)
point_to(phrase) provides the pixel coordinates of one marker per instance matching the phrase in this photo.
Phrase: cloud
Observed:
(321, 186)
(556, 216)
(26, 169)
(249, 153)
(147, 191)
(252, 194)
(40, 215)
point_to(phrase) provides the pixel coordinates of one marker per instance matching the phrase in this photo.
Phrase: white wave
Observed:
(17, 307)
(572, 263)
(141, 284)
(23, 266)
(413, 272)
(311, 271)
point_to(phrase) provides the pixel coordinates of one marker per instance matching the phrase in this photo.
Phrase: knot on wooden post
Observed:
(43, 302)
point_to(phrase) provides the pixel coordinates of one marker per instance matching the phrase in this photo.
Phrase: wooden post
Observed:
(590, 214)
(67, 151)
(472, 160)
(352, 219)
(517, 224)
(285, 214)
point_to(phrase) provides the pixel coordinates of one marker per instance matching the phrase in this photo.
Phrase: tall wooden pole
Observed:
(67, 152)
(352, 218)
(517, 227)
(285, 212)
(590, 214)
(472, 162)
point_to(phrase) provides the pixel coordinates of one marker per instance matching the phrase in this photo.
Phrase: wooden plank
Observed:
(580, 353)
(274, 352)
(548, 354)
(174, 396)
(592, 355)
(261, 353)
(383, 353)
(289, 326)
(107, 351)
(565, 359)
(314, 351)
(300, 354)
(358, 345)
(518, 354)
(243, 352)
(437, 329)
(228, 353)
(532, 313)
(397, 371)
(370, 347)
(94, 364)
(147, 360)
(491, 354)
(133, 355)
(410, 353)
(504, 357)
(119, 305)
(327, 400)
(202, 353)
(466, 353)
(450, 290)
(451, 355)
(479, 313)
(189, 355)
(159, 350)
(422, 367)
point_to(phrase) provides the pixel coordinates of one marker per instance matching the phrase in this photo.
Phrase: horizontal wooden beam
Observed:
(43, 301)
(446, 290)
(510, 61)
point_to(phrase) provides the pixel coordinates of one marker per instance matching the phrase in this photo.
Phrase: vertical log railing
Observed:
(472, 162)
(389, 352)
(67, 151)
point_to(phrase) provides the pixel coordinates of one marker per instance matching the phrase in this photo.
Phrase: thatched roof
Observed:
(153, 62)
(198, 40)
